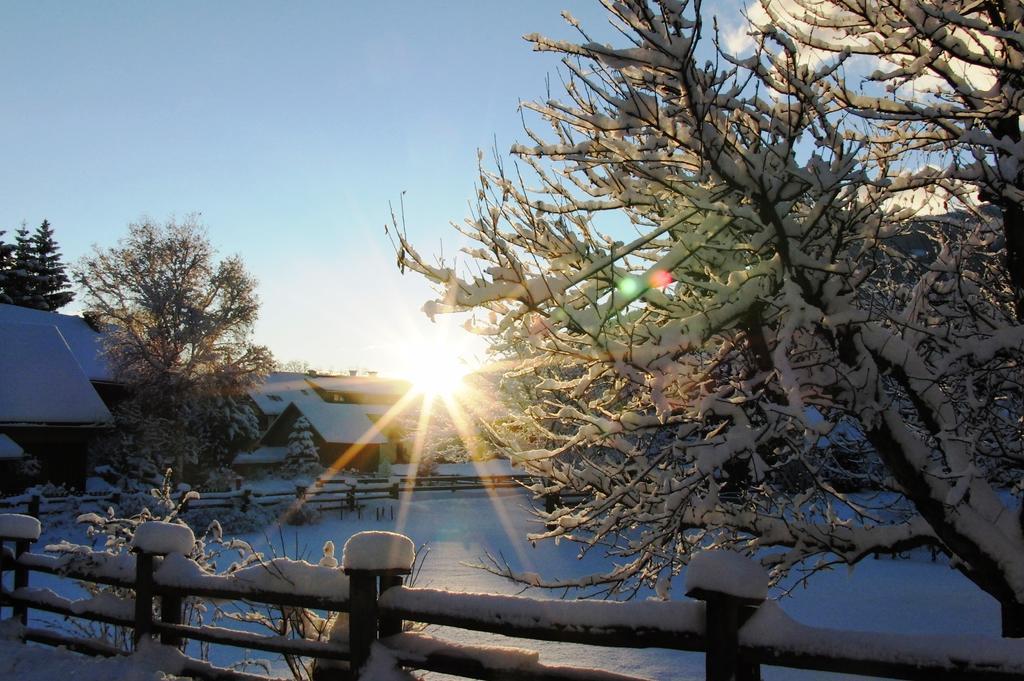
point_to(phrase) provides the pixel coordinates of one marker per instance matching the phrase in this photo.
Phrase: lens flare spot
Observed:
(629, 286)
(660, 279)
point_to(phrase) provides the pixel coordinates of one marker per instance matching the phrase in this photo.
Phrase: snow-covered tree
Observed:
(717, 287)
(224, 425)
(53, 283)
(31, 271)
(940, 84)
(23, 281)
(6, 265)
(302, 457)
(180, 335)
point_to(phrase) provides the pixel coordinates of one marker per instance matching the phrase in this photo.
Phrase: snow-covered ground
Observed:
(458, 529)
(32, 663)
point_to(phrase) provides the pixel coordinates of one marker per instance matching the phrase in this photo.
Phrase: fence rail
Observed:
(737, 635)
(323, 495)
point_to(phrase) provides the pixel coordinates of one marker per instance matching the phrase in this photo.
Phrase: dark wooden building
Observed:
(352, 419)
(49, 405)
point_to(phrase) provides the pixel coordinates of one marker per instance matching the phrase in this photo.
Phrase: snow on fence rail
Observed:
(324, 495)
(726, 617)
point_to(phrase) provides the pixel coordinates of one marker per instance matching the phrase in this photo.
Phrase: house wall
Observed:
(61, 453)
(281, 428)
(366, 459)
(112, 394)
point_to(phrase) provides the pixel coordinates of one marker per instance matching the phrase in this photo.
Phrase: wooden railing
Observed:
(324, 495)
(737, 635)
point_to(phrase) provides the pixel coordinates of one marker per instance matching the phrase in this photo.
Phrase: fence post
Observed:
(21, 576)
(34, 506)
(246, 499)
(351, 496)
(23, 531)
(393, 491)
(143, 595)
(362, 623)
(390, 625)
(170, 613)
(4, 564)
(374, 562)
(724, 614)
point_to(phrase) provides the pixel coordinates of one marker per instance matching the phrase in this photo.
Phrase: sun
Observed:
(435, 370)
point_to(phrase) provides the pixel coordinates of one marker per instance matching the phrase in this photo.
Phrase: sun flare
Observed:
(435, 370)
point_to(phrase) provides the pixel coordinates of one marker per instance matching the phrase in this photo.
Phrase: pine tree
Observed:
(6, 264)
(52, 280)
(23, 284)
(302, 457)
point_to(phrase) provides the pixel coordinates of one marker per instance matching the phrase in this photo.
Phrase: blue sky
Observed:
(288, 126)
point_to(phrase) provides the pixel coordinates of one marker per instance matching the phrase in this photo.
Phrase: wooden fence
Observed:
(737, 635)
(325, 495)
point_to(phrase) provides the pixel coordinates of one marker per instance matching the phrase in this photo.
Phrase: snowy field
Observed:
(915, 596)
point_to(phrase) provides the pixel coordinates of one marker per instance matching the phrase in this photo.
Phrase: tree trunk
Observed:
(1013, 214)
(1013, 229)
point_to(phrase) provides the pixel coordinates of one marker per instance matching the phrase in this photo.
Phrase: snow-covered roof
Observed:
(42, 380)
(263, 455)
(85, 343)
(341, 422)
(278, 390)
(362, 384)
(9, 449)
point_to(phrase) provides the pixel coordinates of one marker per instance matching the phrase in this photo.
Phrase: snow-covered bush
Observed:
(234, 520)
(20, 473)
(112, 534)
(384, 467)
(717, 273)
(220, 479)
(426, 467)
(300, 514)
(293, 622)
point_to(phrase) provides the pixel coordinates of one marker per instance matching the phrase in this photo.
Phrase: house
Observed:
(52, 380)
(351, 419)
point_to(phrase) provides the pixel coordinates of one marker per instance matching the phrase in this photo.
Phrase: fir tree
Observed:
(302, 457)
(23, 282)
(52, 280)
(6, 264)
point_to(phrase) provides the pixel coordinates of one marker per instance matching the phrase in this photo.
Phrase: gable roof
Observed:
(84, 342)
(9, 449)
(335, 422)
(364, 385)
(279, 389)
(340, 422)
(43, 381)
